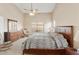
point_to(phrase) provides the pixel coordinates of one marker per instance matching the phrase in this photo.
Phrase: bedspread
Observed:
(41, 40)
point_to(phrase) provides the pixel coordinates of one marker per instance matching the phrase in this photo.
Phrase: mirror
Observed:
(12, 25)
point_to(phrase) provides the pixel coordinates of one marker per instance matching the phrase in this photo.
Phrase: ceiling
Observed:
(42, 7)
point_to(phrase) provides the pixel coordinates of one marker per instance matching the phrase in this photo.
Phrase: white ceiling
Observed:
(42, 7)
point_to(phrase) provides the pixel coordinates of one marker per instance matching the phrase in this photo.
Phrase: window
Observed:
(38, 27)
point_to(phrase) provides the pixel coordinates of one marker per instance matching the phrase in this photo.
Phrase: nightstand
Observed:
(71, 51)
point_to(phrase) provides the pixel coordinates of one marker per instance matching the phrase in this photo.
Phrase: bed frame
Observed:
(66, 31)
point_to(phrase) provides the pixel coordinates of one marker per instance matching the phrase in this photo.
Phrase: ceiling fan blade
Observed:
(27, 10)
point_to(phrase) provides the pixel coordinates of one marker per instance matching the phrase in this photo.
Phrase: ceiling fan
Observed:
(32, 11)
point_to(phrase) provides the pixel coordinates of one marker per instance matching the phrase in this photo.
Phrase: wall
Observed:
(10, 11)
(68, 14)
(39, 18)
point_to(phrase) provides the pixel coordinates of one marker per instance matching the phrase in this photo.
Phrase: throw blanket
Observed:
(42, 40)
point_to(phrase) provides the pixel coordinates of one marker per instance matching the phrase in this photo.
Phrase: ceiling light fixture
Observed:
(32, 11)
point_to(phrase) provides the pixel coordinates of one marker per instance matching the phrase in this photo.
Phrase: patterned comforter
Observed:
(42, 40)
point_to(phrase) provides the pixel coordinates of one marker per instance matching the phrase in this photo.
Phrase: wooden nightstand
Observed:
(71, 51)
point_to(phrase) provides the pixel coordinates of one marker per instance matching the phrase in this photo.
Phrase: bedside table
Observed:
(71, 51)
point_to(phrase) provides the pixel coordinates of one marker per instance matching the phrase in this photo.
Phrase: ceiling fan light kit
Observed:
(32, 12)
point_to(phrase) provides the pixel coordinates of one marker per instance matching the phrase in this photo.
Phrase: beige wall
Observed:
(68, 14)
(10, 11)
(42, 18)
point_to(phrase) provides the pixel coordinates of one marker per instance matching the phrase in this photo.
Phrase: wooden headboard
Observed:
(67, 32)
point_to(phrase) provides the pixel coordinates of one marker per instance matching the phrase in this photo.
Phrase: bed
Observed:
(42, 44)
